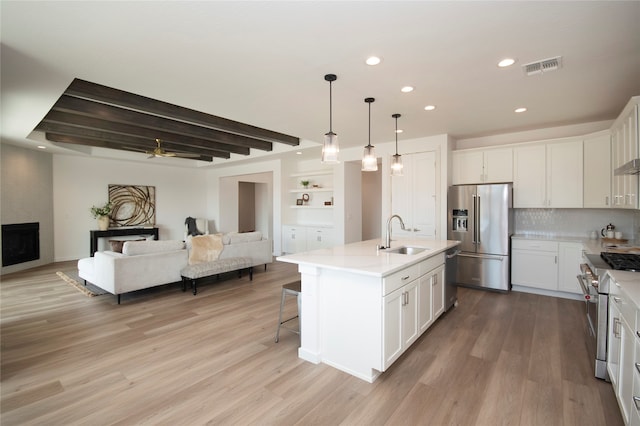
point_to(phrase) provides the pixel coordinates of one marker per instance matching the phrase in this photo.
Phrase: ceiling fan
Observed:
(159, 151)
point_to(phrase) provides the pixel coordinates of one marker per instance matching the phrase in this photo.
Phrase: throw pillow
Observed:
(205, 248)
(116, 245)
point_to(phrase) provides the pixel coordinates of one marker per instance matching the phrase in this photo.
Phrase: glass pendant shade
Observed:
(330, 148)
(396, 159)
(369, 159)
(396, 165)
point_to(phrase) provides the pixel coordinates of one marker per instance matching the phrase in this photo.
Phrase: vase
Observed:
(103, 223)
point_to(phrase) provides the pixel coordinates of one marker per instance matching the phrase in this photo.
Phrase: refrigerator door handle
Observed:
(478, 220)
(475, 220)
(480, 256)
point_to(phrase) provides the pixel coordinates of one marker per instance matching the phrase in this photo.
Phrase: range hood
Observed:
(630, 168)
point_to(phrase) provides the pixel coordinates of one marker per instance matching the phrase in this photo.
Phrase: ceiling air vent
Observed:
(543, 66)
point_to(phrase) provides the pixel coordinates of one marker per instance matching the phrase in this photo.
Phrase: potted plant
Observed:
(305, 183)
(102, 214)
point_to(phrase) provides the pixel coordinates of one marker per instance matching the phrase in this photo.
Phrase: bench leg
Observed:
(184, 284)
(251, 273)
(118, 299)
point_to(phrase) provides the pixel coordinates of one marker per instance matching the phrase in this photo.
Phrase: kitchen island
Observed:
(363, 307)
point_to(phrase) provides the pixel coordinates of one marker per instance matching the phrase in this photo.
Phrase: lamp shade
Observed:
(369, 159)
(396, 165)
(330, 148)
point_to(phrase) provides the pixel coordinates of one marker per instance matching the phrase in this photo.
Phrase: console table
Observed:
(118, 232)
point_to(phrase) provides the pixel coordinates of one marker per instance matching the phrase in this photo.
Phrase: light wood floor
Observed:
(167, 357)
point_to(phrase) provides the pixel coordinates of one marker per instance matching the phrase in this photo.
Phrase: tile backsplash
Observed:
(576, 222)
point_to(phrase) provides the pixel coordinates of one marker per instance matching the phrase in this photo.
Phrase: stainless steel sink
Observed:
(407, 250)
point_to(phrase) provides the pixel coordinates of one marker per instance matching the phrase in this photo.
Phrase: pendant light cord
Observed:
(369, 124)
(330, 109)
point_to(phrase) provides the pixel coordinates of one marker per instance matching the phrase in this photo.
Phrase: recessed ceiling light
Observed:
(299, 152)
(521, 109)
(373, 60)
(399, 131)
(429, 107)
(407, 89)
(506, 62)
(42, 147)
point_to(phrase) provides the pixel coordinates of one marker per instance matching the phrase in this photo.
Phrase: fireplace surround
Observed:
(20, 243)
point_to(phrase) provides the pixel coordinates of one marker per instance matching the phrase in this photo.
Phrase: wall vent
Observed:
(542, 66)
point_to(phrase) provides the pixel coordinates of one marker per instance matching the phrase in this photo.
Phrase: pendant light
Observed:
(330, 146)
(369, 159)
(396, 159)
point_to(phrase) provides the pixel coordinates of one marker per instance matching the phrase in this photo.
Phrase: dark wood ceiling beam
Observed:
(97, 92)
(126, 116)
(103, 144)
(122, 141)
(58, 117)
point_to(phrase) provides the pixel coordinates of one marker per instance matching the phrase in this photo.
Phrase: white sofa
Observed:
(144, 264)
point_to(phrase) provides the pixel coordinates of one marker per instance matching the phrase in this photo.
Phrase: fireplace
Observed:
(20, 243)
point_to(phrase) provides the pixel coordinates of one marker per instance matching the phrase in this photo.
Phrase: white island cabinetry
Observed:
(362, 307)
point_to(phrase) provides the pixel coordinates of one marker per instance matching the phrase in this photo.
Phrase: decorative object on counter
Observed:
(298, 201)
(369, 159)
(396, 160)
(133, 205)
(609, 229)
(305, 198)
(593, 235)
(330, 146)
(614, 240)
(304, 183)
(102, 215)
(618, 235)
(315, 185)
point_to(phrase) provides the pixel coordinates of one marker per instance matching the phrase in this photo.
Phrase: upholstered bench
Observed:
(215, 267)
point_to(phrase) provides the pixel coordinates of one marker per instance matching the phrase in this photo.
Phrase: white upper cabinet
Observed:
(597, 171)
(482, 166)
(548, 174)
(624, 148)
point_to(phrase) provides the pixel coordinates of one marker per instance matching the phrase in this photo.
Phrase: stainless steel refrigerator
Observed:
(481, 218)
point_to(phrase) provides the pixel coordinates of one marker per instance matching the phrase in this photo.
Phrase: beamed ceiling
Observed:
(99, 116)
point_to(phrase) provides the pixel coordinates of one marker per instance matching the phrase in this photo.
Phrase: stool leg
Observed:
(194, 287)
(251, 273)
(280, 316)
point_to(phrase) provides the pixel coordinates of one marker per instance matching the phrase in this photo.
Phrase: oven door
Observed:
(590, 294)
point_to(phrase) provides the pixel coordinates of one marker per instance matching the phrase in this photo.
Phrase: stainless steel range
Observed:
(595, 287)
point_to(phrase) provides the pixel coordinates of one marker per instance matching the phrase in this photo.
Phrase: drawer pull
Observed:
(405, 278)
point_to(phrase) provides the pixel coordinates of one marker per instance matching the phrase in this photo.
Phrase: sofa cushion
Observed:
(132, 248)
(241, 237)
(205, 248)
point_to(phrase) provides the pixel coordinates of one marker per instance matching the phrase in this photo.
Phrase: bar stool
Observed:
(291, 289)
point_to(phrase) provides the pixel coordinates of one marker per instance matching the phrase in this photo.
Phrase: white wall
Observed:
(80, 182)
(26, 196)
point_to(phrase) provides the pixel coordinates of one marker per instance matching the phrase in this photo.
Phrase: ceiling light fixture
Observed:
(406, 89)
(429, 107)
(330, 147)
(373, 60)
(396, 159)
(522, 109)
(506, 62)
(369, 159)
(42, 147)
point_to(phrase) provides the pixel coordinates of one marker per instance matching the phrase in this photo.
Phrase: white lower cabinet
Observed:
(620, 350)
(546, 265)
(410, 309)
(296, 239)
(634, 416)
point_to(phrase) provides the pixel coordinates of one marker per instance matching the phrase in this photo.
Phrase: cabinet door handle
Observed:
(636, 400)
(617, 299)
(616, 327)
(638, 333)
(606, 200)
(638, 366)
(435, 280)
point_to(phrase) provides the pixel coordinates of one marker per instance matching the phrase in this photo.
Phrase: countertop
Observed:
(629, 282)
(363, 257)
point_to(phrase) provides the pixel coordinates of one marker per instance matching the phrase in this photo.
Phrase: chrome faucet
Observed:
(388, 239)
